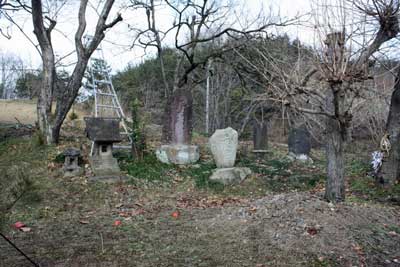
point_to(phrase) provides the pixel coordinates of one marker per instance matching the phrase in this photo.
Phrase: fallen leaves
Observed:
(19, 225)
(175, 214)
(312, 231)
(208, 202)
(360, 253)
(22, 227)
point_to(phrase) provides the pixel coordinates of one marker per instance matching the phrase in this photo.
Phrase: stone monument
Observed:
(260, 138)
(178, 131)
(103, 132)
(299, 143)
(223, 144)
(71, 163)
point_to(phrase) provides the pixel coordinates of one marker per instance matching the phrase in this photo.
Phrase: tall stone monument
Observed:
(178, 131)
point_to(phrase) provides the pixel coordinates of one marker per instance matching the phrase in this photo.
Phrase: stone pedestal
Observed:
(102, 166)
(228, 176)
(178, 154)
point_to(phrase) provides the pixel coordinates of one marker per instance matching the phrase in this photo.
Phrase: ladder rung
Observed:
(107, 106)
(102, 81)
(99, 71)
(105, 94)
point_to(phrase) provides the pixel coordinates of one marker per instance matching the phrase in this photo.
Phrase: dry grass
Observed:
(25, 111)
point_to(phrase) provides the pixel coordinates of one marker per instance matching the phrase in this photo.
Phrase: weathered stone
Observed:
(260, 135)
(178, 154)
(178, 120)
(223, 145)
(102, 161)
(103, 132)
(301, 157)
(71, 163)
(229, 176)
(299, 141)
(104, 166)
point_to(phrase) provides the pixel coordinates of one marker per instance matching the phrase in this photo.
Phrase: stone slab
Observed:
(228, 176)
(178, 154)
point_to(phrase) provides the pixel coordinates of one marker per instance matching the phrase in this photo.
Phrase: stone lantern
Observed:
(71, 163)
(103, 132)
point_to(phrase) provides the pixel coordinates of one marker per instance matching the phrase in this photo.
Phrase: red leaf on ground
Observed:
(18, 225)
(312, 231)
(117, 223)
(175, 214)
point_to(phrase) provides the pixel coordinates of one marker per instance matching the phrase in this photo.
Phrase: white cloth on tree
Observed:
(376, 162)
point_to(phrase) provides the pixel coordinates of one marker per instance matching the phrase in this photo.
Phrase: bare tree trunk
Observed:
(334, 189)
(208, 98)
(51, 128)
(43, 36)
(66, 99)
(336, 130)
(390, 170)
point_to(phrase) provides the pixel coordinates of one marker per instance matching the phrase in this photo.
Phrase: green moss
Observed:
(201, 173)
(149, 168)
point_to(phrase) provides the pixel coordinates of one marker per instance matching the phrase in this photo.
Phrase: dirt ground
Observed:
(276, 217)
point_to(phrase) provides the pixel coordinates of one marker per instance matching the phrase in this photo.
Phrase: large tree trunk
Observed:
(46, 92)
(66, 99)
(336, 132)
(334, 189)
(390, 170)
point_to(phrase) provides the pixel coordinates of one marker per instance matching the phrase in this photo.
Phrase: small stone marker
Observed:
(260, 135)
(223, 145)
(299, 143)
(71, 163)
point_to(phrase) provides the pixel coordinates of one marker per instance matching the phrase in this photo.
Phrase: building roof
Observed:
(103, 129)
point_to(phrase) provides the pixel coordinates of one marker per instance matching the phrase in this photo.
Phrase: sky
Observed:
(117, 44)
